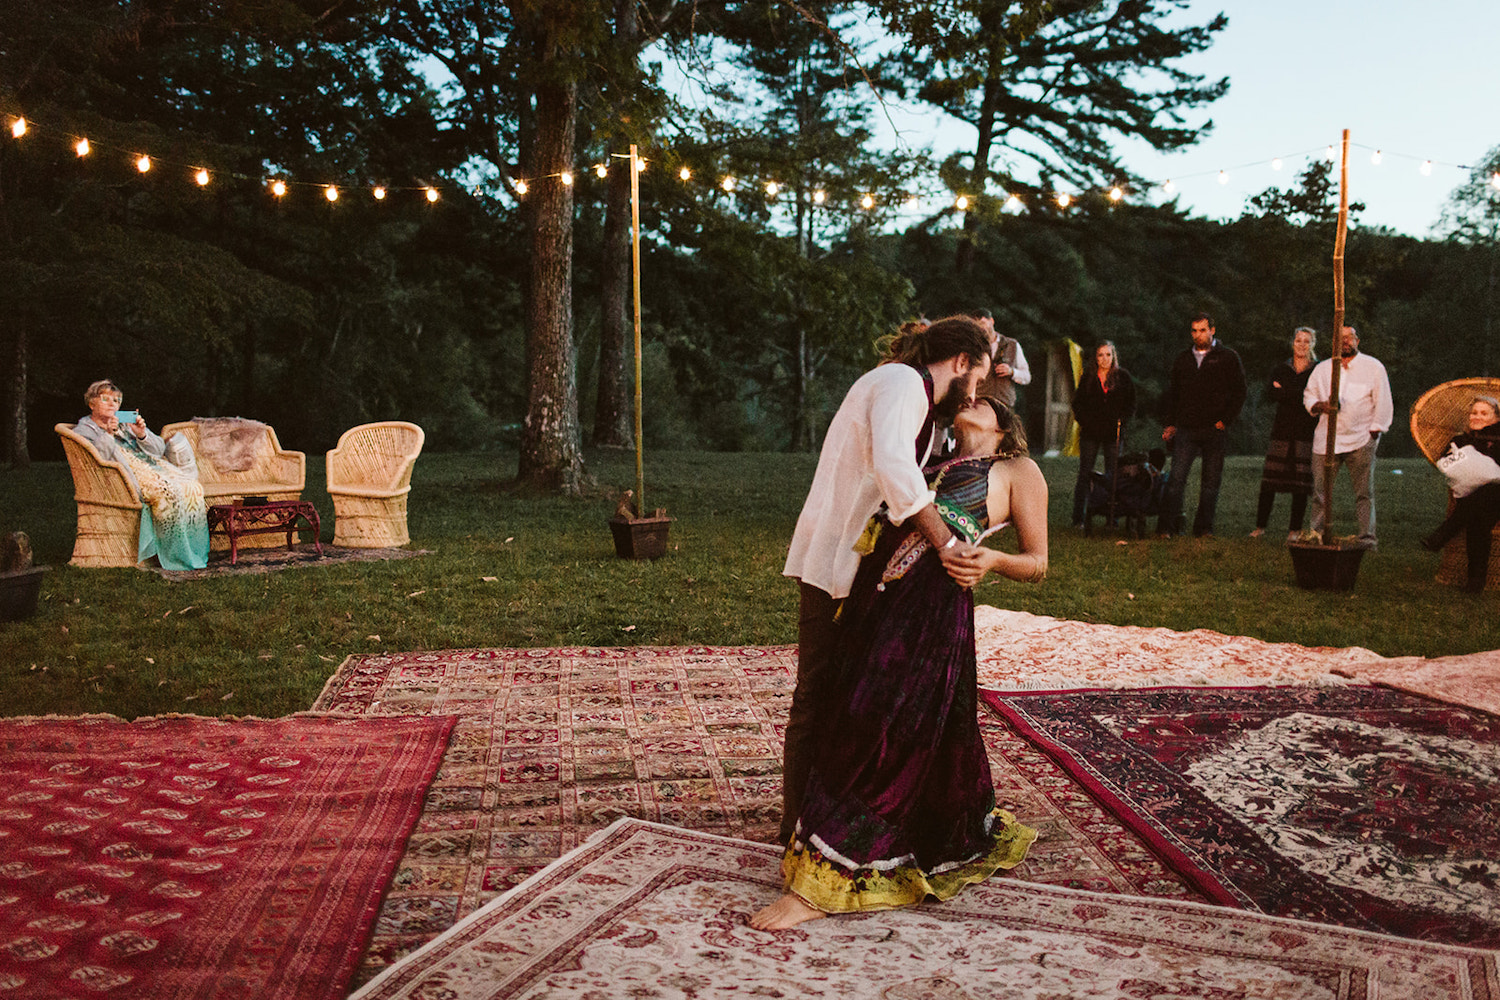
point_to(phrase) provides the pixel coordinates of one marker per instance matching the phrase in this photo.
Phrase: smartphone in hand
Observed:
(127, 417)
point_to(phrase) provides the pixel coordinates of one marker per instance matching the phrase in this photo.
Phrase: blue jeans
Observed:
(1188, 444)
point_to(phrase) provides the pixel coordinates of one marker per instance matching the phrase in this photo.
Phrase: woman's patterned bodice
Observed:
(962, 488)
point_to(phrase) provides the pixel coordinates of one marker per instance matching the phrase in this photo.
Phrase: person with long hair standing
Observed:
(1288, 467)
(1103, 405)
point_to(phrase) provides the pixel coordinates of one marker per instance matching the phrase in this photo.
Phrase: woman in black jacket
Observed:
(1103, 405)
(1476, 514)
(1288, 467)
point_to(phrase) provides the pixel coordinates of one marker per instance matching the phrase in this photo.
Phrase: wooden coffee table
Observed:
(236, 520)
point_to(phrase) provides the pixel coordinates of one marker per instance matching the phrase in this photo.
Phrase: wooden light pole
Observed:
(635, 280)
(1330, 456)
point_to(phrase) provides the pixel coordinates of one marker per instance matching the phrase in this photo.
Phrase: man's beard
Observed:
(1350, 351)
(953, 400)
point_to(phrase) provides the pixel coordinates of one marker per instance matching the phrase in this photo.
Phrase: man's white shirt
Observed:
(1365, 406)
(868, 457)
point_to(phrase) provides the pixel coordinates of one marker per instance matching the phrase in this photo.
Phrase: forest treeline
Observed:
(498, 312)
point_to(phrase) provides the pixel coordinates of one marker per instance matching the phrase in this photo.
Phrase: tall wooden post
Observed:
(635, 277)
(1330, 457)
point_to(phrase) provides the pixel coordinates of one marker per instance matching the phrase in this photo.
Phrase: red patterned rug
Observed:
(652, 911)
(188, 858)
(553, 745)
(1358, 806)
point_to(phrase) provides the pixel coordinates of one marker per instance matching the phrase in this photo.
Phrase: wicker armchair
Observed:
(1440, 413)
(369, 476)
(109, 508)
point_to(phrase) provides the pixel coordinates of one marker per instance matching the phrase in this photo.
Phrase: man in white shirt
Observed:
(1365, 412)
(873, 454)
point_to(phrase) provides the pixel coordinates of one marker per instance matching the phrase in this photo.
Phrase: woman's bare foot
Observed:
(788, 911)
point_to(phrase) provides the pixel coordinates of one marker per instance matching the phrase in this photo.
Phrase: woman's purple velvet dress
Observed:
(900, 801)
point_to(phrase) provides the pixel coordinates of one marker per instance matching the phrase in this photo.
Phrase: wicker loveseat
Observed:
(275, 474)
(109, 508)
(369, 476)
(1436, 417)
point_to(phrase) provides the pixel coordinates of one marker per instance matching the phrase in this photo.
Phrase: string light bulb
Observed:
(201, 177)
(1168, 187)
(82, 147)
(685, 173)
(379, 193)
(18, 127)
(1116, 193)
(1276, 163)
(1426, 168)
(1376, 157)
(601, 171)
(640, 165)
(566, 177)
(962, 203)
(521, 187)
(820, 196)
(913, 203)
(772, 189)
(1329, 154)
(1013, 204)
(278, 188)
(868, 201)
(1223, 177)
(728, 184)
(143, 164)
(1064, 199)
(432, 194)
(1495, 180)
(331, 193)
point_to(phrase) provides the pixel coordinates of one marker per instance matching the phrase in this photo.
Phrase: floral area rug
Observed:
(187, 858)
(253, 562)
(553, 745)
(1472, 679)
(651, 911)
(1359, 806)
(1020, 651)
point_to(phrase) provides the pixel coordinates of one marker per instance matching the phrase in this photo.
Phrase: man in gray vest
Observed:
(1010, 369)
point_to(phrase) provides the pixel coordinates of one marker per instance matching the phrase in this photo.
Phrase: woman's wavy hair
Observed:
(1312, 349)
(939, 341)
(1012, 430)
(1114, 369)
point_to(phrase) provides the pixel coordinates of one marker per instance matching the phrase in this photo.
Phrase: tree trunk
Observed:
(614, 425)
(979, 178)
(17, 452)
(551, 454)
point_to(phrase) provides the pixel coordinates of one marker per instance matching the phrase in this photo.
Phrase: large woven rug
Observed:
(189, 858)
(1021, 651)
(259, 561)
(653, 911)
(1359, 806)
(553, 745)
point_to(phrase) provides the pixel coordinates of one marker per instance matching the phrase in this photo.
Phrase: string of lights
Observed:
(279, 187)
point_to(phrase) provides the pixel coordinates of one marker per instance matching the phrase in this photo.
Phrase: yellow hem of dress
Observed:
(823, 887)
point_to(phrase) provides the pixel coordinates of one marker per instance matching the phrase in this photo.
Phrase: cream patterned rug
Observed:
(652, 911)
(1020, 651)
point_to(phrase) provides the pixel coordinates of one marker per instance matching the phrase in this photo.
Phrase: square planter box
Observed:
(640, 537)
(18, 593)
(1324, 567)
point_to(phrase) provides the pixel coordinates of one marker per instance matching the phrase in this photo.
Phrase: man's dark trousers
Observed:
(1188, 444)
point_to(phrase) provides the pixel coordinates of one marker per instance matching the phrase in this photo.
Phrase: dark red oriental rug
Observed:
(1359, 806)
(182, 857)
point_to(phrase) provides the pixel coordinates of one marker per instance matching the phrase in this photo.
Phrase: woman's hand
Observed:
(966, 563)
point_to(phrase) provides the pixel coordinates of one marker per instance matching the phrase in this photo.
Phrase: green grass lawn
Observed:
(507, 569)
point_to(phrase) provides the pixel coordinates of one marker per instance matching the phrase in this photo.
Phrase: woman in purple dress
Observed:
(900, 805)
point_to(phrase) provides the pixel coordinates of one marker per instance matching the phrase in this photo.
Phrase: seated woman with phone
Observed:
(1476, 492)
(174, 516)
